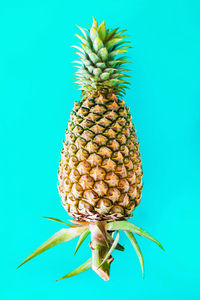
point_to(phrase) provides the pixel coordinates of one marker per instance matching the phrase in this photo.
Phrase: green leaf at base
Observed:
(101, 226)
(127, 226)
(81, 239)
(59, 237)
(112, 248)
(60, 221)
(111, 240)
(137, 249)
(82, 268)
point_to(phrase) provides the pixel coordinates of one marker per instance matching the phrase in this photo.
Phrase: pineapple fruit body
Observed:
(100, 174)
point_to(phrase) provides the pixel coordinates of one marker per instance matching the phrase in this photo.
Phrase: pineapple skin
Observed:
(100, 171)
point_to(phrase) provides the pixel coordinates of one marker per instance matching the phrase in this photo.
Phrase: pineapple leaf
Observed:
(79, 48)
(84, 267)
(63, 235)
(112, 42)
(101, 65)
(105, 76)
(120, 44)
(119, 75)
(125, 225)
(122, 36)
(81, 239)
(90, 69)
(111, 240)
(114, 82)
(102, 31)
(95, 25)
(120, 32)
(94, 58)
(83, 40)
(103, 53)
(97, 71)
(93, 34)
(113, 53)
(60, 221)
(137, 249)
(98, 44)
(84, 33)
(101, 47)
(78, 62)
(101, 227)
(81, 55)
(112, 248)
(86, 62)
(110, 70)
(111, 34)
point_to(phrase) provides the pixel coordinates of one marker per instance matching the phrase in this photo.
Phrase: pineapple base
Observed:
(104, 240)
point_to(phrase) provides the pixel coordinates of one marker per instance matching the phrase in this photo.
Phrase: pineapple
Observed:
(100, 171)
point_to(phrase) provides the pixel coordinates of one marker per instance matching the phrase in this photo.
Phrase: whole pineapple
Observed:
(100, 173)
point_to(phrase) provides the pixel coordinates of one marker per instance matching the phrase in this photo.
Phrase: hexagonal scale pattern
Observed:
(100, 171)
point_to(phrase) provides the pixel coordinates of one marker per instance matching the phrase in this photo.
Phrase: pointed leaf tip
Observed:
(137, 249)
(82, 237)
(84, 267)
(112, 248)
(63, 235)
(125, 225)
(95, 25)
(59, 221)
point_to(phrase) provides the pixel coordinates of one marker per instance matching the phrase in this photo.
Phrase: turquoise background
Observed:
(37, 94)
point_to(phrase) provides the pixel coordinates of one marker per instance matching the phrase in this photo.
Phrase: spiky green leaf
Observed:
(112, 248)
(93, 34)
(112, 43)
(83, 40)
(98, 44)
(103, 53)
(137, 249)
(86, 62)
(127, 226)
(90, 69)
(102, 31)
(101, 65)
(97, 71)
(111, 34)
(110, 70)
(85, 34)
(120, 32)
(79, 48)
(119, 75)
(122, 36)
(113, 63)
(105, 76)
(63, 235)
(60, 221)
(114, 82)
(111, 240)
(84, 267)
(94, 58)
(100, 48)
(112, 54)
(94, 25)
(82, 237)
(83, 56)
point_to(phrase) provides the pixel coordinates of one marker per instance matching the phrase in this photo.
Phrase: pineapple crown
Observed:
(100, 68)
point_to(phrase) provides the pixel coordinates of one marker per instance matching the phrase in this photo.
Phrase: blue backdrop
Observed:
(37, 94)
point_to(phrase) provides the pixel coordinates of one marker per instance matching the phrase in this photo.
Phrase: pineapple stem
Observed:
(99, 247)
